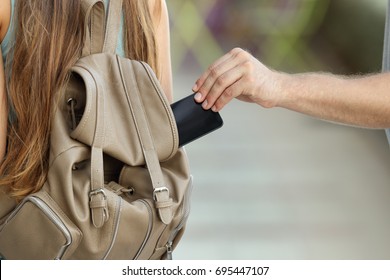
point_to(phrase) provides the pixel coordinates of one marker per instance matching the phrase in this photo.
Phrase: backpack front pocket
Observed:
(38, 229)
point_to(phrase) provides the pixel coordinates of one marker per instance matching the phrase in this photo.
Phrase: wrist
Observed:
(279, 91)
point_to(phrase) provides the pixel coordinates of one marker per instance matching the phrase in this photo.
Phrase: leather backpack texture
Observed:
(118, 186)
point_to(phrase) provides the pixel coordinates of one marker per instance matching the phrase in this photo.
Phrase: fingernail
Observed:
(204, 105)
(198, 96)
(195, 88)
(214, 109)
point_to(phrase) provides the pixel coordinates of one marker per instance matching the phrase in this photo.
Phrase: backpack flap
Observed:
(121, 141)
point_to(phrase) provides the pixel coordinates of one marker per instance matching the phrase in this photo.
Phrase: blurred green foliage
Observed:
(342, 36)
(352, 35)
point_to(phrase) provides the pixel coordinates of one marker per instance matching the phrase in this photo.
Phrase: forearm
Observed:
(361, 101)
(4, 17)
(3, 124)
(3, 111)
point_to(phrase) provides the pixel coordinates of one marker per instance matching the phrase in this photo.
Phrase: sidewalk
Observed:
(274, 184)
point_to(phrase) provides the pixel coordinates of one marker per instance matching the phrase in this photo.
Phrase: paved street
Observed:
(273, 184)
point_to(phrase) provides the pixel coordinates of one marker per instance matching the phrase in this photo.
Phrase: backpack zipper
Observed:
(149, 228)
(172, 236)
(117, 217)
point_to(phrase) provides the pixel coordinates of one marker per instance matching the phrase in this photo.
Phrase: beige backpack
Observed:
(118, 186)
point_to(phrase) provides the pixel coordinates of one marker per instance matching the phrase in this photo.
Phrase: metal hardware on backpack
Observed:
(118, 187)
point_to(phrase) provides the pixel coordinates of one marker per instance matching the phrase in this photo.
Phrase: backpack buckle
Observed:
(98, 205)
(163, 204)
(97, 191)
(159, 190)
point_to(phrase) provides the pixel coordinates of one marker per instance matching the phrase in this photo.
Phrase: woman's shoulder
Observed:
(155, 6)
(5, 17)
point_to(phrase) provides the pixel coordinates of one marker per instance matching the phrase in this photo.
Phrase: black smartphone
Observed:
(193, 121)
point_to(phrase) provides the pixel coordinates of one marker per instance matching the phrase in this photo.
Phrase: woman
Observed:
(48, 40)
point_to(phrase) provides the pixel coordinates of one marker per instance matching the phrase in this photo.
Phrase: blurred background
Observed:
(275, 184)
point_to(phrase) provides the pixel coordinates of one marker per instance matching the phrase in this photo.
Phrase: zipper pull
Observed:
(169, 250)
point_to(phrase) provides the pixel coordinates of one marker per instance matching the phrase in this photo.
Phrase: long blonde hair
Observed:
(49, 36)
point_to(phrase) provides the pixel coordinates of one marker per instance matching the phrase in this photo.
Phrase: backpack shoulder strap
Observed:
(94, 26)
(99, 36)
(113, 25)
